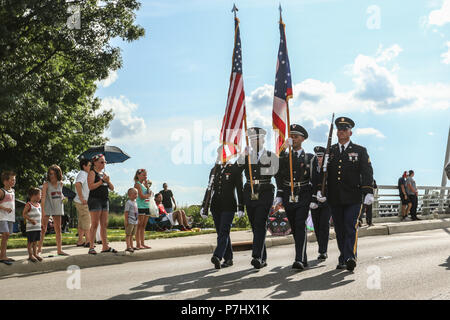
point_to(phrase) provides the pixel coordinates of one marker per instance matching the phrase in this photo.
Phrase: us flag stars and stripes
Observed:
(282, 92)
(231, 132)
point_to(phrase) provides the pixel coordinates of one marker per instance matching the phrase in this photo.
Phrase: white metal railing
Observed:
(430, 198)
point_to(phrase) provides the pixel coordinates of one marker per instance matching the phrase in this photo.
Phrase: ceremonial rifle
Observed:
(325, 158)
(208, 194)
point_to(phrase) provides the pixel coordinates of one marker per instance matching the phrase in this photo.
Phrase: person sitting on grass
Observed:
(32, 215)
(179, 215)
(131, 218)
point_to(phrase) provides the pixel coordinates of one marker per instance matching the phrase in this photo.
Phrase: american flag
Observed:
(231, 132)
(283, 92)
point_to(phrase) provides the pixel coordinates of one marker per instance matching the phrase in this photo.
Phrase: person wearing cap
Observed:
(226, 181)
(264, 165)
(349, 181)
(320, 211)
(297, 208)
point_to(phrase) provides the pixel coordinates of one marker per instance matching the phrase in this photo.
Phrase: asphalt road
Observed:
(402, 266)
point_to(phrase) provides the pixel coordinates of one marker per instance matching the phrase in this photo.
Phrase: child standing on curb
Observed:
(32, 215)
(7, 213)
(131, 218)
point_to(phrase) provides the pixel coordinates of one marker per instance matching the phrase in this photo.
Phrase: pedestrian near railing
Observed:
(430, 199)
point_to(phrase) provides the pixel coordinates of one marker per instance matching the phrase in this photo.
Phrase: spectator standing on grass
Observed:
(411, 190)
(32, 215)
(98, 201)
(179, 215)
(143, 204)
(52, 205)
(7, 212)
(405, 202)
(131, 218)
(167, 198)
(82, 191)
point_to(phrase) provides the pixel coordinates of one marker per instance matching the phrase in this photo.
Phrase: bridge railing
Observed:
(430, 198)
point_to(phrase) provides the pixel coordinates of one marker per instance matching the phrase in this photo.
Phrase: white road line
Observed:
(169, 294)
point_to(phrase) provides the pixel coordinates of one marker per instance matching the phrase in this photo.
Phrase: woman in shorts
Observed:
(143, 202)
(98, 202)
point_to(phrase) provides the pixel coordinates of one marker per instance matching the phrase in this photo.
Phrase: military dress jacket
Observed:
(350, 175)
(303, 167)
(263, 169)
(227, 182)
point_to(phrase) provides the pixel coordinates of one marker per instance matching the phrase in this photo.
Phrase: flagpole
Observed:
(253, 196)
(289, 132)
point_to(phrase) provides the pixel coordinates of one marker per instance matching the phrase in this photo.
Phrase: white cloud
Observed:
(376, 89)
(446, 55)
(369, 132)
(124, 124)
(441, 16)
(388, 54)
(112, 77)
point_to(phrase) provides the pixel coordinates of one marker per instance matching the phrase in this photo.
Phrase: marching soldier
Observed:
(297, 208)
(320, 211)
(226, 179)
(264, 165)
(350, 177)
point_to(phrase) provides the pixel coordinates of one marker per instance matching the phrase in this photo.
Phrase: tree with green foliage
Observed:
(48, 74)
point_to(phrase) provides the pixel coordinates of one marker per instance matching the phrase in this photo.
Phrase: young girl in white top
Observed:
(32, 215)
(7, 212)
(52, 205)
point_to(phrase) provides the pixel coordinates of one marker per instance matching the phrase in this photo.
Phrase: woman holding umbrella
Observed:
(98, 201)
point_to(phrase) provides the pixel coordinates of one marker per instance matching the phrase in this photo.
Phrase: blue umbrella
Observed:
(112, 154)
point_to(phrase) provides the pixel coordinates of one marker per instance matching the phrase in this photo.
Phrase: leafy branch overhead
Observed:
(48, 74)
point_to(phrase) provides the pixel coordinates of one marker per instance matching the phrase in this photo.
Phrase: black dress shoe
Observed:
(341, 266)
(227, 263)
(263, 264)
(351, 264)
(216, 261)
(298, 265)
(257, 263)
(322, 257)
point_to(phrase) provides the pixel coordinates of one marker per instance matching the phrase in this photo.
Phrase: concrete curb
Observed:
(26, 268)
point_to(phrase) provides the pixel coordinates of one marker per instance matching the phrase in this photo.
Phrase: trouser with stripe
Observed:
(321, 221)
(258, 216)
(345, 219)
(297, 218)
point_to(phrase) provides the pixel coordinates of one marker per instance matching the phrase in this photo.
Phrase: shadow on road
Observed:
(287, 283)
(446, 264)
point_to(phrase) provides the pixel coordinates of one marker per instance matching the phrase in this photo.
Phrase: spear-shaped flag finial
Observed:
(279, 8)
(235, 10)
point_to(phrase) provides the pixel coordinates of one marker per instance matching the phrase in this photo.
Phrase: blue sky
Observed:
(385, 64)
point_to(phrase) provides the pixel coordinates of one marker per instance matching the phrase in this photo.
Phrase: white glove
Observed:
(246, 150)
(320, 198)
(289, 142)
(313, 205)
(240, 214)
(368, 200)
(202, 214)
(277, 201)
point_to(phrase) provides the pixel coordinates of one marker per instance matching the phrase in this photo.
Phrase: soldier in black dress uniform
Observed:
(350, 178)
(264, 165)
(320, 211)
(227, 181)
(297, 208)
